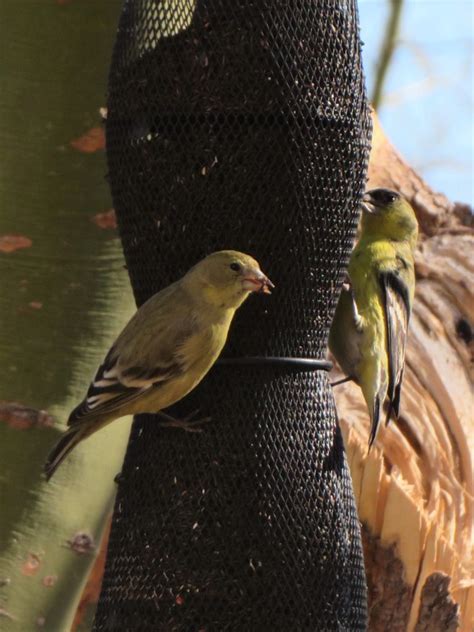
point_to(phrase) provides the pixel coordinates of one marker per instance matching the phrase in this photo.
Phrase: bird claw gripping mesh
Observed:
(240, 124)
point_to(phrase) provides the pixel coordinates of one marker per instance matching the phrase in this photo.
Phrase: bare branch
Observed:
(388, 48)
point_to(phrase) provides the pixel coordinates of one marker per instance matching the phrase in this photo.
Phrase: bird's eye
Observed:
(387, 197)
(235, 267)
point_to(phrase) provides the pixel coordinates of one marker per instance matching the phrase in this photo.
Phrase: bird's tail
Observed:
(375, 418)
(62, 448)
(393, 410)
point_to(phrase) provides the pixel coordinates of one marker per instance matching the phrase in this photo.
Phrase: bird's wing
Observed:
(113, 387)
(345, 334)
(147, 354)
(397, 313)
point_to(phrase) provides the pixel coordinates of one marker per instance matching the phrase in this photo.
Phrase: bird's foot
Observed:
(189, 424)
(343, 380)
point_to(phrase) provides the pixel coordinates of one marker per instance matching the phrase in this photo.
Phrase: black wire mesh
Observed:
(240, 124)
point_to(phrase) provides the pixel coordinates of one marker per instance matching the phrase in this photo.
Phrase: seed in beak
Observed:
(267, 286)
(367, 204)
(257, 282)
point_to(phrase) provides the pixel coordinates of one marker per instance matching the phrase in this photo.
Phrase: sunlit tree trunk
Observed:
(64, 297)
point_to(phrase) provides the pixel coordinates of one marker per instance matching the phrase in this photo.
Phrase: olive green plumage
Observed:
(369, 331)
(167, 347)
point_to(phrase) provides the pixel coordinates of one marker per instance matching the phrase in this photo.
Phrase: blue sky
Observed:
(427, 110)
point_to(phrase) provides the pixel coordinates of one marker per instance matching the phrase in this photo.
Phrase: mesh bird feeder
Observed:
(240, 124)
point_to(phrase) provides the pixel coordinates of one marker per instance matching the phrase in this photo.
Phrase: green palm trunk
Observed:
(63, 300)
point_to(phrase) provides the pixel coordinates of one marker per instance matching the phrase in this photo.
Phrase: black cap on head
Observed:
(377, 200)
(381, 197)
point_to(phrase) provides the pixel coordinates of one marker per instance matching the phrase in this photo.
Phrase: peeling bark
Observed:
(438, 611)
(91, 592)
(389, 594)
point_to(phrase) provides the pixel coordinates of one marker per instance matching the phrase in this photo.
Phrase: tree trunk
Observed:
(60, 304)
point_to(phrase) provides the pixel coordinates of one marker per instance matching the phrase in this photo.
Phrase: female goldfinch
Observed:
(167, 347)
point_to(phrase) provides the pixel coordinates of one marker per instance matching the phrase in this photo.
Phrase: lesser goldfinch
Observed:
(167, 347)
(369, 332)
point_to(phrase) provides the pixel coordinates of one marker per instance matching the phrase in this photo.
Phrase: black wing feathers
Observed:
(375, 420)
(113, 387)
(397, 313)
(85, 408)
(393, 281)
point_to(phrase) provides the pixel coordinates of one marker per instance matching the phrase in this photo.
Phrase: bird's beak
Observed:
(368, 205)
(256, 281)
